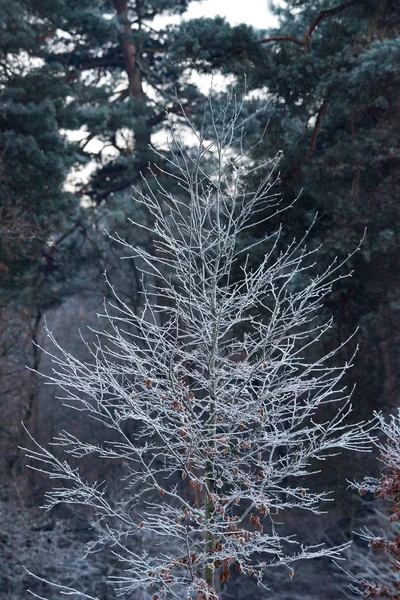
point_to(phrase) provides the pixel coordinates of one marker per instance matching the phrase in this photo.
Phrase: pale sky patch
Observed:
(252, 12)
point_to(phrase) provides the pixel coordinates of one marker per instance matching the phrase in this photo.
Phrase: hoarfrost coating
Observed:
(211, 401)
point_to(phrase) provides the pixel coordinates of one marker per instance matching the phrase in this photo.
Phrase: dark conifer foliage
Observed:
(336, 99)
(34, 155)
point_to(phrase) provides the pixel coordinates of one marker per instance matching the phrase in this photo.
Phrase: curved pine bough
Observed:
(225, 410)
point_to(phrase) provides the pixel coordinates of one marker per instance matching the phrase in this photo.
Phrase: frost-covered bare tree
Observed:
(365, 567)
(382, 579)
(213, 410)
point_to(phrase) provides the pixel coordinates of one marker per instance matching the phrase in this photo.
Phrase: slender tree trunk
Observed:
(210, 489)
(209, 572)
(30, 415)
(130, 52)
(31, 409)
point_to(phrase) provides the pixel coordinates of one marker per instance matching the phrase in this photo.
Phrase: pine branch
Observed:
(305, 41)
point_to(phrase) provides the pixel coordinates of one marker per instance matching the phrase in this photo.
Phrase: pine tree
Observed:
(120, 81)
(339, 92)
(35, 159)
(34, 156)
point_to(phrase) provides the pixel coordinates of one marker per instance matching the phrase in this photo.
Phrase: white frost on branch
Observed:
(225, 407)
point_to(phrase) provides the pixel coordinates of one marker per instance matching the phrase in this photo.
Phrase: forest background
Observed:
(85, 87)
